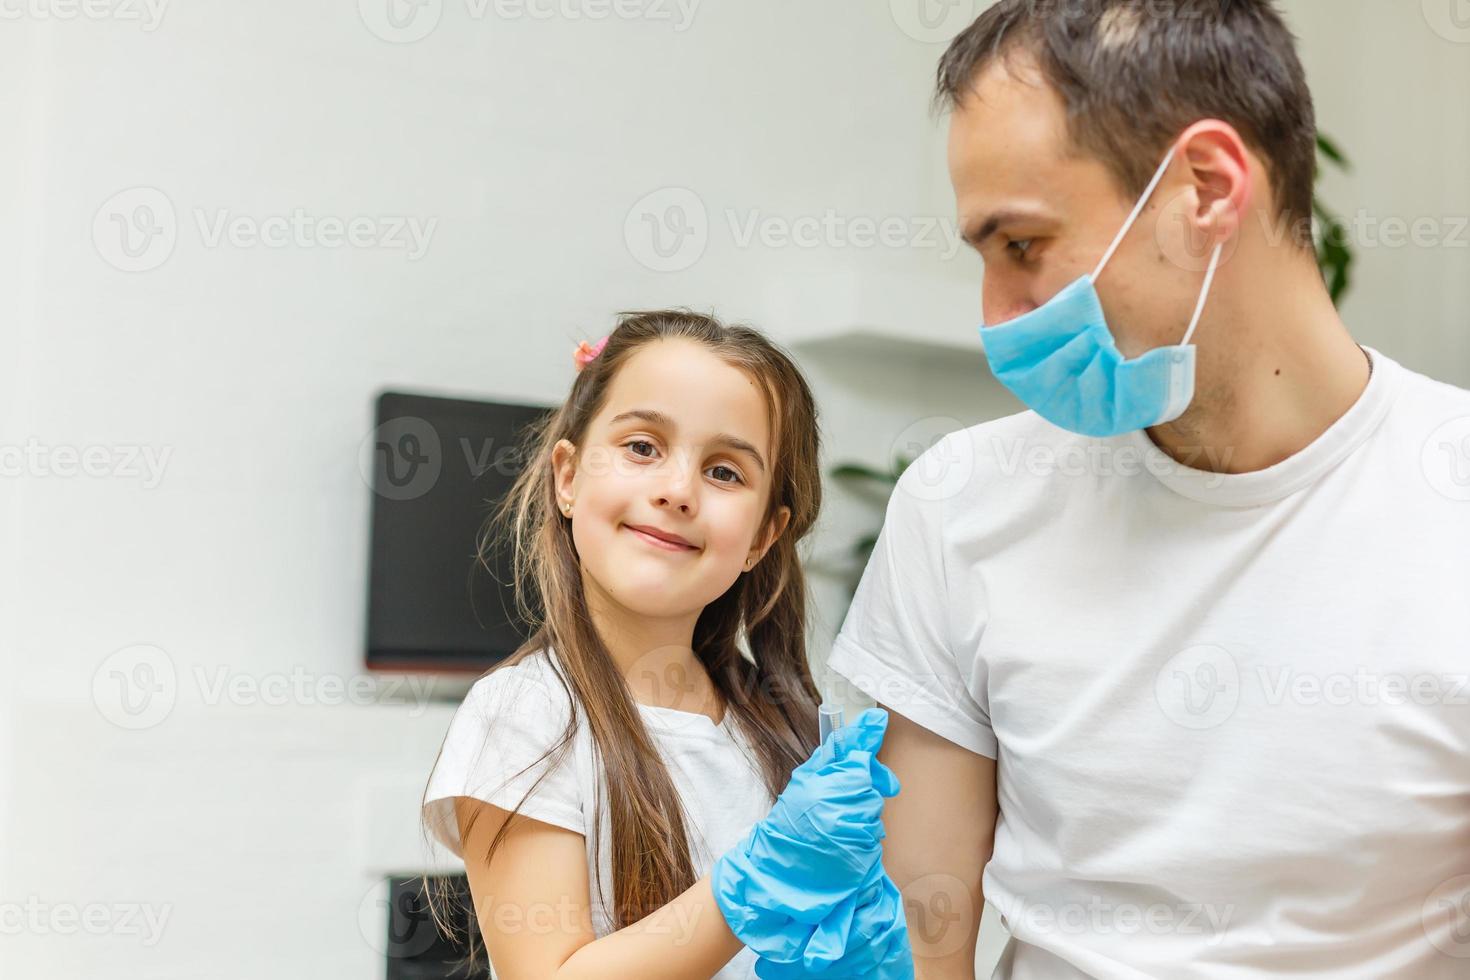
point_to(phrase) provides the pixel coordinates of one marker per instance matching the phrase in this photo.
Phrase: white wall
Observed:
(1392, 86)
(257, 829)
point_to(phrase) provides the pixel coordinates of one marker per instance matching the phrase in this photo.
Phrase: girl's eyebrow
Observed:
(655, 417)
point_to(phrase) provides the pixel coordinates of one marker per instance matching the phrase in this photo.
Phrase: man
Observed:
(1176, 661)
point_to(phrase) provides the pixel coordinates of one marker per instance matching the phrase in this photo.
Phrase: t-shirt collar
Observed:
(1291, 474)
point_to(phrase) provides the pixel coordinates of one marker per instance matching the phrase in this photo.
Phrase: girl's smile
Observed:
(660, 539)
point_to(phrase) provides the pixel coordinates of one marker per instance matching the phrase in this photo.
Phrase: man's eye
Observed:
(1020, 247)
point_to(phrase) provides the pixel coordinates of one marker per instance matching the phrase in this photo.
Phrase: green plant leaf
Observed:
(1334, 253)
(1329, 149)
(857, 471)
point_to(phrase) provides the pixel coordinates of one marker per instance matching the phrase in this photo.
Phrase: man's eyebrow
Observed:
(977, 237)
(654, 417)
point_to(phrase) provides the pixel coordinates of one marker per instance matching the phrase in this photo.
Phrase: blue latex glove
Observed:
(817, 848)
(866, 938)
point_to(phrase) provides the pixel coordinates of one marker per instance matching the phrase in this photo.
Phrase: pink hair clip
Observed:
(586, 353)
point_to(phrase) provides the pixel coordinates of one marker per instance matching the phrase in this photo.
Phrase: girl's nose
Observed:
(676, 498)
(677, 491)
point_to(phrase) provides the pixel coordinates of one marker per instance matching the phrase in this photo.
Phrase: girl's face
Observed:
(679, 451)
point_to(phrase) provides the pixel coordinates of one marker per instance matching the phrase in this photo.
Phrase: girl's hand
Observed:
(817, 850)
(867, 937)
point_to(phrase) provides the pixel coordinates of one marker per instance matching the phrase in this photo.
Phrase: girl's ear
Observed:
(564, 472)
(774, 528)
(778, 524)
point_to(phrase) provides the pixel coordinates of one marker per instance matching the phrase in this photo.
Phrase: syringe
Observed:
(829, 713)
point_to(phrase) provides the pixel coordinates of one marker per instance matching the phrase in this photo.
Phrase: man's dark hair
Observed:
(1134, 74)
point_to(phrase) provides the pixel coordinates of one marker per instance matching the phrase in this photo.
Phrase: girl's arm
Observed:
(533, 906)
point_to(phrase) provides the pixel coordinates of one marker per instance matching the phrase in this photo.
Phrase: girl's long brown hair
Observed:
(770, 692)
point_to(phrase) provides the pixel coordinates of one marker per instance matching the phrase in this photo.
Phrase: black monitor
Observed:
(417, 949)
(437, 467)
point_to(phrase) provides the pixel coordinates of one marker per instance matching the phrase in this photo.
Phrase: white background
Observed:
(258, 829)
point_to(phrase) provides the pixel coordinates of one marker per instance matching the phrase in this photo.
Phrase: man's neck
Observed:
(1275, 373)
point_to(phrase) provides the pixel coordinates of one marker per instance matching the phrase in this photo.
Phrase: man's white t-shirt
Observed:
(1230, 713)
(512, 716)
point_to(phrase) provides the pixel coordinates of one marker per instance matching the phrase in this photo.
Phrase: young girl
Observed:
(635, 744)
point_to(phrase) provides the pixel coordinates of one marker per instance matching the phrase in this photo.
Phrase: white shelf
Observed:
(885, 315)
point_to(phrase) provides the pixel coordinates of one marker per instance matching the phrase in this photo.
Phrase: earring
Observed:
(567, 508)
(747, 564)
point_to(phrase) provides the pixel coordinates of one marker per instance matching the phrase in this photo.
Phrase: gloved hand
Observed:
(817, 849)
(866, 938)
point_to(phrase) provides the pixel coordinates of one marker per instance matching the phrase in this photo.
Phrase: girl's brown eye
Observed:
(727, 470)
(638, 442)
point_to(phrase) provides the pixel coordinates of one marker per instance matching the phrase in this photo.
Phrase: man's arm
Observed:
(940, 833)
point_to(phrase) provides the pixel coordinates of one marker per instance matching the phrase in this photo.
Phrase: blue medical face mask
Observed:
(1062, 362)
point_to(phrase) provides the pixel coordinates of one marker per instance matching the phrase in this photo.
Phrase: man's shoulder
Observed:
(1429, 420)
(1420, 391)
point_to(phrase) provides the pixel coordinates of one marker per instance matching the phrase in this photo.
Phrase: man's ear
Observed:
(1220, 167)
(564, 471)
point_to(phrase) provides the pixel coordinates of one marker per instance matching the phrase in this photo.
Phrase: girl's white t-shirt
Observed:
(512, 716)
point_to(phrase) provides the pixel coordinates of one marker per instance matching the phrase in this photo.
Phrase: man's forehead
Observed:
(1008, 138)
(1010, 156)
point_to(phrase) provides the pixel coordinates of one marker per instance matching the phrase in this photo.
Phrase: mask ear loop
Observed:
(1137, 210)
(1204, 294)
